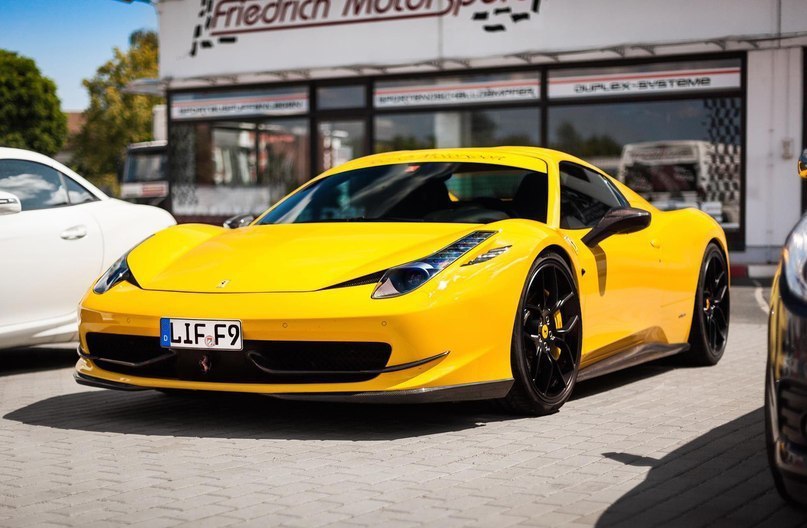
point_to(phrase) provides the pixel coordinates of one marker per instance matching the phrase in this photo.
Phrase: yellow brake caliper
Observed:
(558, 324)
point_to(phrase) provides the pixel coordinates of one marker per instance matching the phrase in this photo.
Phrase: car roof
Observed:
(501, 154)
(30, 155)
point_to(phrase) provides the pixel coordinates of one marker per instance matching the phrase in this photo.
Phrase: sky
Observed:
(70, 39)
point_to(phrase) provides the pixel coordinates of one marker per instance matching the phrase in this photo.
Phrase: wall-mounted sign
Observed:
(457, 93)
(642, 83)
(202, 38)
(238, 104)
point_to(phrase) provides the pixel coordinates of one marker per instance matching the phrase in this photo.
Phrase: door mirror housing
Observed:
(9, 204)
(242, 220)
(801, 165)
(617, 221)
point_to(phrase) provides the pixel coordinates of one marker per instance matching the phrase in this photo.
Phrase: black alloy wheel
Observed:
(547, 339)
(710, 317)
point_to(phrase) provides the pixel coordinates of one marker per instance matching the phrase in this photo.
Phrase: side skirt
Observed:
(630, 357)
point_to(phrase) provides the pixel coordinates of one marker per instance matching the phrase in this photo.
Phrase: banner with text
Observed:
(238, 104)
(643, 83)
(449, 94)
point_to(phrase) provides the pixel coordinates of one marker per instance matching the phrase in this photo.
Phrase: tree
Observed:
(30, 111)
(114, 118)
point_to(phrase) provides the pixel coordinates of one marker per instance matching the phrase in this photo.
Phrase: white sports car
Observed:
(58, 232)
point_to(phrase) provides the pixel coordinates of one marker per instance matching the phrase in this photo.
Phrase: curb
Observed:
(753, 271)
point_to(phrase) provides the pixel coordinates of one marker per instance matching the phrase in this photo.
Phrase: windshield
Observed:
(419, 192)
(144, 166)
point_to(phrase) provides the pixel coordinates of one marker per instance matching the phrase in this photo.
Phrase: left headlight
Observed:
(794, 259)
(403, 279)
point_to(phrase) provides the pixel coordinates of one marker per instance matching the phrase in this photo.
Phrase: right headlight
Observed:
(794, 260)
(119, 271)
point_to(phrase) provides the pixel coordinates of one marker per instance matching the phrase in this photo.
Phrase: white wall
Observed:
(338, 34)
(773, 190)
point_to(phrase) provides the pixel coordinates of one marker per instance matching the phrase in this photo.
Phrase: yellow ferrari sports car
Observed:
(503, 273)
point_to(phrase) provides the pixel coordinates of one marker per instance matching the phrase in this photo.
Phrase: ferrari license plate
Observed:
(201, 333)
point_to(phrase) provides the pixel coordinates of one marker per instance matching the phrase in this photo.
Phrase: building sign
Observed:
(642, 83)
(204, 38)
(457, 93)
(223, 20)
(239, 104)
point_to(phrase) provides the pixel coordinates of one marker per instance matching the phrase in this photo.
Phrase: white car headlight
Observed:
(794, 257)
(403, 279)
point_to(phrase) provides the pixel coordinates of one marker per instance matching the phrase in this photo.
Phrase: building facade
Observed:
(690, 103)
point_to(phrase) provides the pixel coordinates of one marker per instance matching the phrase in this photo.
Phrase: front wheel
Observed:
(547, 339)
(710, 316)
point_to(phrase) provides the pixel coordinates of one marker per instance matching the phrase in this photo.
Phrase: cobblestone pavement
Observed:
(654, 444)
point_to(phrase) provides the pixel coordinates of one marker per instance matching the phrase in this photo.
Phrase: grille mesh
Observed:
(293, 361)
(793, 411)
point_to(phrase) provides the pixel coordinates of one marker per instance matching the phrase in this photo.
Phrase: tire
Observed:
(547, 339)
(710, 315)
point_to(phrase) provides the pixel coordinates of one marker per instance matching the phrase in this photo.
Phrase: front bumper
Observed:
(470, 391)
(787, 384)
(437, 342)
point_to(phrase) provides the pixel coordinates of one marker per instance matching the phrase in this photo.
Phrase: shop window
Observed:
(478, 128)
(283, 163)
(683, 153)
(340, 141)
(226, 168)
(338, 97)
(233, 154)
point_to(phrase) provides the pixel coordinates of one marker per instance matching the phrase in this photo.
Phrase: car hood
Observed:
(283, 257)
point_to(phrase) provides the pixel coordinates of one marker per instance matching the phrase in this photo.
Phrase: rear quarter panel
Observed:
(683, 236)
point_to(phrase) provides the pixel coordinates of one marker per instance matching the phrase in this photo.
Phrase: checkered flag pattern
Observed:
(724, 132)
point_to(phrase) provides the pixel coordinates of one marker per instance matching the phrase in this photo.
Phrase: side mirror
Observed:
(616, 221)
(802, 164)
(9, 204)
(242, 220)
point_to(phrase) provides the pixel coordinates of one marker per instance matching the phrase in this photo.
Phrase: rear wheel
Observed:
(710, 317)
(547, 338)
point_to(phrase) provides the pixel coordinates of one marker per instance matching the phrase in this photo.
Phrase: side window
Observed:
(77, 193)
(37, 186)
(585, 197)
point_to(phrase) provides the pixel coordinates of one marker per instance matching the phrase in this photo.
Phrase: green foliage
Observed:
(30, 113)
(114, 118)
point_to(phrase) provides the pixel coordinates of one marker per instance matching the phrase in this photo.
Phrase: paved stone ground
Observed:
(656, 444)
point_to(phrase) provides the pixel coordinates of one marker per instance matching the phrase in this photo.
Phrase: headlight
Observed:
(117, 272)
(795, 258)
(403, 279)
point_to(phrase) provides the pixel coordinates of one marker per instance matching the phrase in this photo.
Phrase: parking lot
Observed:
(655, 444)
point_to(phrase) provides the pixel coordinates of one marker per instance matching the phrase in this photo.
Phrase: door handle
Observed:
(656, 244)
(74, 233)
